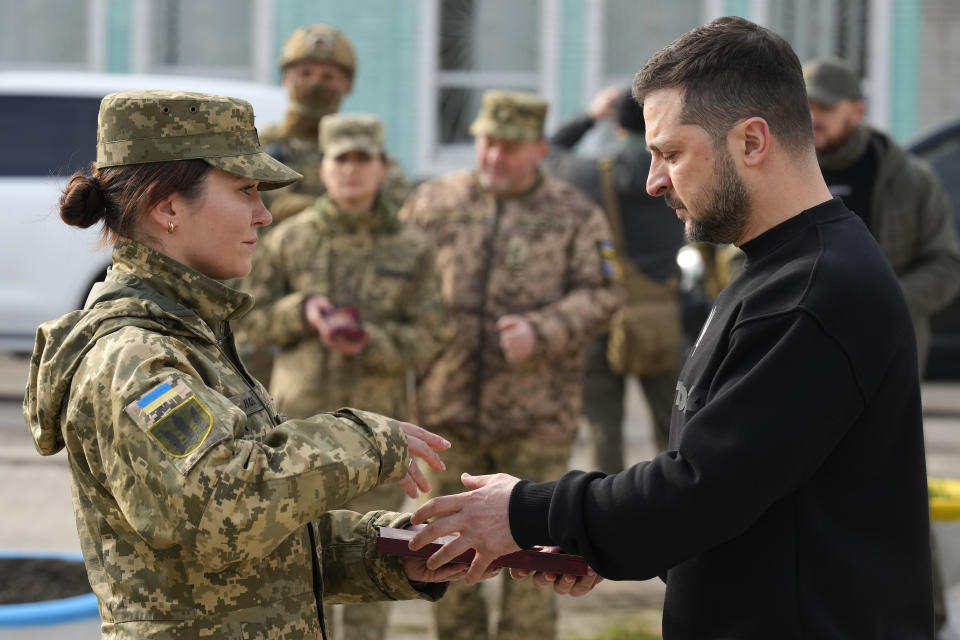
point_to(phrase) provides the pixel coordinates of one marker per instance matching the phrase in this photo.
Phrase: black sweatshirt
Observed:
(792, 500)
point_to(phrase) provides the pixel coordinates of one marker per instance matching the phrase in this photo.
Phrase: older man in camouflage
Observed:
(318, 63)
(525, 269)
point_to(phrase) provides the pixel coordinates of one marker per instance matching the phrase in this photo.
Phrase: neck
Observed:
(786, 188)
(355, 204)
(299, 125)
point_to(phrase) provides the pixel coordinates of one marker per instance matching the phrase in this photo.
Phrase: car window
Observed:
(47, 135)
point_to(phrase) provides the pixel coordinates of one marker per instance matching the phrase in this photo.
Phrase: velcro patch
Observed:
(175, 418)
(608, 261)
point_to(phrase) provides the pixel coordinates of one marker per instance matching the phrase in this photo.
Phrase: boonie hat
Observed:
(343, 132)
(830, 80)
(135, 127)
(319, 43)
(511, 115)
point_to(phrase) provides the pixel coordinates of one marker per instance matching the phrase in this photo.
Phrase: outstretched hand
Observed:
(422, 444)
(562, 584)
(480, 517)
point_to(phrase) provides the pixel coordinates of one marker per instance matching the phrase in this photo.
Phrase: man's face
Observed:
(508, 167)
(308, 73)
(832, 125)
(696, 178)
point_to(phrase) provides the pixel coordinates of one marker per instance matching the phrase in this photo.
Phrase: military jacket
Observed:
(543, 255)
(366, 260)
(303, 155)
(200, 513)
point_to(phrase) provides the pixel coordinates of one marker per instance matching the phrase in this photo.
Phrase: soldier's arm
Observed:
(353, 571)
(413, 342)
(583, 313)
(183, 473)
(933, 279)
(277, 314)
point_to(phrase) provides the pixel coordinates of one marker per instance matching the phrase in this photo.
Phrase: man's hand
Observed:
(422, 444)
(602, 105)
(563, 584)
(416, 569)
(517, 338)
(479, 516)
(314, 309)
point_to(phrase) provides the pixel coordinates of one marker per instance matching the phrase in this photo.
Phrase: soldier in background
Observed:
(347, 256)
(318, 64)
(646, 337)
(524, 261)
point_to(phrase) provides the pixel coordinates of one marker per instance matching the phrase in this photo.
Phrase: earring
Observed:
(171, 226)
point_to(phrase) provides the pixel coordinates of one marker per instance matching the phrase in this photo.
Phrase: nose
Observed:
(261, 215)
(658, 182)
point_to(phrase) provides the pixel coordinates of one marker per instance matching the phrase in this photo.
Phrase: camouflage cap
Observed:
(135, 127)
(319, 43)
(342, 132)
(830, 80)
(511, 115)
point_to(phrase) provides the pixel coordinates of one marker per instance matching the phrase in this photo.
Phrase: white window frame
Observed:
(433, 158)
(260, 67)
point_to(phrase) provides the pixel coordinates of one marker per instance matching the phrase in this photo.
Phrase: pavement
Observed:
(38, 514)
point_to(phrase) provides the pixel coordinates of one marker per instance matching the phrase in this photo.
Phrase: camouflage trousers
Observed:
(526, 612)
(365, 621)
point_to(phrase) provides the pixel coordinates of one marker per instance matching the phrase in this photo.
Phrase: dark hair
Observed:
(120, 195)
(729, 70)
(629, 113)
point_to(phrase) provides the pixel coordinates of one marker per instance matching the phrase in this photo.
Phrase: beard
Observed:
(722, 219)
(314, 100)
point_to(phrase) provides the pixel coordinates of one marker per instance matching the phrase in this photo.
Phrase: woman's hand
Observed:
(563, 584)
(422, 444)
(416, 570)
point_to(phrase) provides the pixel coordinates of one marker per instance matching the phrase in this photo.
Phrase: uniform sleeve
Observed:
(414, 341)
(584, 312)
(353, 571)
(181, 473)
(934, 278)
(757, 438)
(277, 314)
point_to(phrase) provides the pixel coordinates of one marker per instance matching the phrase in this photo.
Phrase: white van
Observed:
(48, 123)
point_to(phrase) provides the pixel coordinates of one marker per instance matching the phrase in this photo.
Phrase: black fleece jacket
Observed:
(792, 500)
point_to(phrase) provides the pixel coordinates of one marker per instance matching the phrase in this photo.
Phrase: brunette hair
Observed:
(731, 69)
(119, 196)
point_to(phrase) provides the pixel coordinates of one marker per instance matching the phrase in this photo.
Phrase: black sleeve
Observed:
(783, 397)
(570, 132)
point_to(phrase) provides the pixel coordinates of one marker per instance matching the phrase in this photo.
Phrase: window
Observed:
(47, 135)
(47, 34)
(471, 46)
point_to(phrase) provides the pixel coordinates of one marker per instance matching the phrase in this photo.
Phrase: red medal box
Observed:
(393, 542)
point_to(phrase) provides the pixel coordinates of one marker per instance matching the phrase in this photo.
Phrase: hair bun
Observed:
(82, 203)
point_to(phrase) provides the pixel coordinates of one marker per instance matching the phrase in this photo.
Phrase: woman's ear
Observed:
(163, 216)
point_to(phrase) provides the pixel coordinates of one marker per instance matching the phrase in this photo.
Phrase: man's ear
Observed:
(752, 140)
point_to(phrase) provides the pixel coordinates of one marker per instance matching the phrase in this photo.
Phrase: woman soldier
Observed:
(352, 299)
(201, 512)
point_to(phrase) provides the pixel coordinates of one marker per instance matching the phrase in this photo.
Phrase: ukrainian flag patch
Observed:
(608, 261)
(175, 418)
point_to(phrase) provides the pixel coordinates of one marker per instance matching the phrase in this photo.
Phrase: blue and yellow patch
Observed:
(172, 415)
(608, 261)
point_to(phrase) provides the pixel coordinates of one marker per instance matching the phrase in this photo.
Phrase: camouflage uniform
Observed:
(200, 511)
(383, 269)
(539, 255)
(294, 141)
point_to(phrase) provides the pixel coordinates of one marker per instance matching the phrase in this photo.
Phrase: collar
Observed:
(537, 182)
(213, 301)
(768, 241)
(379, 218)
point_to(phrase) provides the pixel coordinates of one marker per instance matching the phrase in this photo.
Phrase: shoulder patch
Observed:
(608, 261)
(177, 421)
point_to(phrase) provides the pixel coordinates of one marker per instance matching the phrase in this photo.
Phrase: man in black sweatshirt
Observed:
(791, 501)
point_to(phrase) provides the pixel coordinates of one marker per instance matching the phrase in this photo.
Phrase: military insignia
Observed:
(517, 252)
(249, 401)
(608, 261)
(177, 421)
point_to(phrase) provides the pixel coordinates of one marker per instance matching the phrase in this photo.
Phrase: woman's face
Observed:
(216, 233)
(353, 178)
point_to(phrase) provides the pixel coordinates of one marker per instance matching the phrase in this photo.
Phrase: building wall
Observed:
(938, 71)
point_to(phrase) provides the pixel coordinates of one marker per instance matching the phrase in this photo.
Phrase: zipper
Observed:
(485, 287)
(227, 346)
(317, 581)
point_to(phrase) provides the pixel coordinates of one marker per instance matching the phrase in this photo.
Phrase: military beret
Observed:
(511, 115)
(135, 127)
